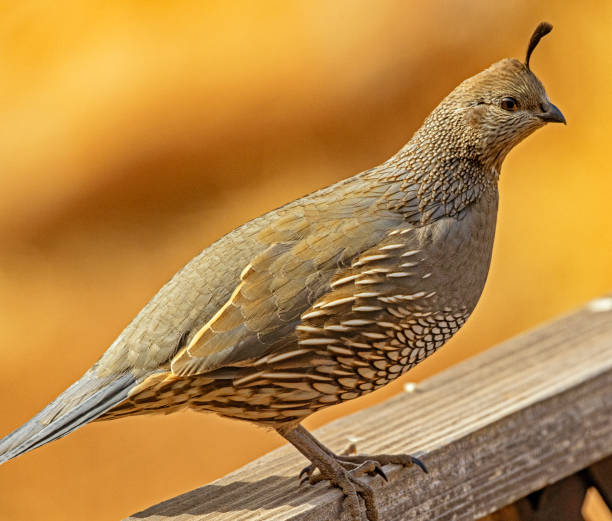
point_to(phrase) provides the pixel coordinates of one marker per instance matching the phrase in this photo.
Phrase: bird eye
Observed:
(509, 104)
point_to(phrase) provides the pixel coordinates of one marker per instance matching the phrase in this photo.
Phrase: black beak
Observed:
(552, 114)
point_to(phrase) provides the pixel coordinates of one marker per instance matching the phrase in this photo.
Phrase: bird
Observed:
(327, 298)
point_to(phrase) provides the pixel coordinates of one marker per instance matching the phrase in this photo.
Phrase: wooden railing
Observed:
(530, 418)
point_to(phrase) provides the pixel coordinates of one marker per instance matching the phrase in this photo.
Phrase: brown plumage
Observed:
(327, 298)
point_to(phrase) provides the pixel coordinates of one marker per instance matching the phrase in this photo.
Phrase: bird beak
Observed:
(552, 115)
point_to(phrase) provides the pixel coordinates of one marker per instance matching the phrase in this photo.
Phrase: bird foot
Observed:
(348, 477)
(406, 460)
(347, 474)
(373, 463)
(345, 471)
(364, 467)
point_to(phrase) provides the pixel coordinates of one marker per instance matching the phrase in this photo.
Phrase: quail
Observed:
(327, 298)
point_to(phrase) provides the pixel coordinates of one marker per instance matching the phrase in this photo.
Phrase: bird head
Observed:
(496, 109)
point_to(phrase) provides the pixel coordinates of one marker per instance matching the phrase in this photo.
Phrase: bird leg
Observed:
(337, 473)
(345, 475)
(348, 457)
(345, 470)
(365, 462)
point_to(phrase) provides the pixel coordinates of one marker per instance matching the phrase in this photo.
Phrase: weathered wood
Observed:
(561, 501)
(564, 500)
(491, 430)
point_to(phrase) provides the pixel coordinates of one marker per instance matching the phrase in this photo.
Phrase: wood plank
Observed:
(561, 501)
(492, 429)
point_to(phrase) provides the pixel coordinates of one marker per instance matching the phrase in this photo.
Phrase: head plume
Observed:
(541, 30)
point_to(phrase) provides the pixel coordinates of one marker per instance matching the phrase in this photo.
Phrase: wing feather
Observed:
(275, 288)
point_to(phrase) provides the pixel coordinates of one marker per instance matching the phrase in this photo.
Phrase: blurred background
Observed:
(133, 134)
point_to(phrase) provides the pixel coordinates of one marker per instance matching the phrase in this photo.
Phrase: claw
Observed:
(420, 464)
(305, 471)
(381, 472)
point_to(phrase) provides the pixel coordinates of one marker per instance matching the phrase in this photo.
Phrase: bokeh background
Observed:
(133, 134)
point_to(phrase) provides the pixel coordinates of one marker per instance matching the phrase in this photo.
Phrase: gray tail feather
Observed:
(82, 402)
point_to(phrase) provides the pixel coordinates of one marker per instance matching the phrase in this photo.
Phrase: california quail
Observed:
(327, 298)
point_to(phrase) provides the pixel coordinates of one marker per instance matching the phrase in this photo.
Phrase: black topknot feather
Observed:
(541, 30)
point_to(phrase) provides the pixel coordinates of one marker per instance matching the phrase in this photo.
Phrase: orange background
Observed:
(133, 134)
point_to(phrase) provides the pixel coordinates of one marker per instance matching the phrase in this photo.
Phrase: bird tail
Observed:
(82, 402)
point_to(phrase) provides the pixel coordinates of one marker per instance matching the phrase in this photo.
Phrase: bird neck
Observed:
(443, 171)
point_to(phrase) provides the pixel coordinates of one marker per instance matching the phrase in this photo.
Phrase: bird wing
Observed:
(390, 282)
(304, 253)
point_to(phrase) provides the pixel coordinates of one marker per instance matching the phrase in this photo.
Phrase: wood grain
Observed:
(492, 429)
